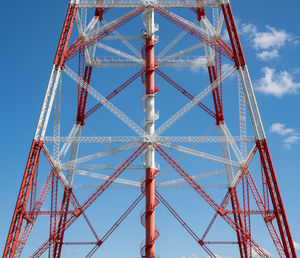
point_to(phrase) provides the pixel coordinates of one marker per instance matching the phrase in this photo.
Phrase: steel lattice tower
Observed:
(241, 182)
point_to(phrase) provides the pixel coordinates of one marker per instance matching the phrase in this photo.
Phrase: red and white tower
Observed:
(224, 156)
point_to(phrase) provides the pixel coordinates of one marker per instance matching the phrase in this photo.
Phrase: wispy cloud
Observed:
(267, 42)
(280, 129)
(292, 135)
(256, 255)
(297, 246)
(277, 83)
(192, 256)
(291, 140)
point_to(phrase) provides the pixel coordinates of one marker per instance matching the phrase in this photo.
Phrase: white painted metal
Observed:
(106, 167)
(56, 123)
(200, 154)
(182, 180)
(138, 3)
(190, 24)
(173, 43)
(68, 141)
(150, 115)
(73, 157)
(232, 142)
(249, 105)
(43, 121)
(121, 54)
(105, 177)
(125, 41)
(243, 119)
(101, 154)
(254, 103)
(181, 52)
(137, 139)
(226, 155)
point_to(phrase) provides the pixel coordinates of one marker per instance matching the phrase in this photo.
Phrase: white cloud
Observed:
(271, 38)
(267, 55)
(297, 246)
(293, 136)
(280, 129)
(277, 83)
(256, 255)
(291, 140)
(268, 42)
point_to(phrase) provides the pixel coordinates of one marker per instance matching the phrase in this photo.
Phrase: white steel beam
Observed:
(200, 154)
(101, 154)
(138, 3)
(105, 177)
(182, 180)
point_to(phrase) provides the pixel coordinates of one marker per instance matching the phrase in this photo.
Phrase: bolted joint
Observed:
(77, 212)
(221, 211)
(100, 242)
(201, 242)
(99, 13)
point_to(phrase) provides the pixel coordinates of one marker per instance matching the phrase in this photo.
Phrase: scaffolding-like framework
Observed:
(241, 183)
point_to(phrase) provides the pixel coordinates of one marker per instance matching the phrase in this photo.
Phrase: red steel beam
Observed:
(279, 211)
(20, 209)
(114, 226)
(83, 96)
(266, 214)
(216, 96)
(186, 227)
(31, 215)
(239, 58)
(238, 220)
(65, 35)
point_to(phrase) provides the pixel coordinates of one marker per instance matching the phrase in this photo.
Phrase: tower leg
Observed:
(26, 185)
(151, 233)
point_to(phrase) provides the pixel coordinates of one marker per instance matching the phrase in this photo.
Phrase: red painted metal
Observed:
(242, 234)
(239, 58)
(279, 211)
(81, 208)
(186, 227)
(216, 96)
(184, 92)
(65, 36)
(31, 216)
(83, 96)
(113, 228)
(25, 189)
(221, 211)
(150, 66)
(266, 213)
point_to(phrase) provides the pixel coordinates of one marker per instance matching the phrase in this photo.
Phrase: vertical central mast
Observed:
(150, 129)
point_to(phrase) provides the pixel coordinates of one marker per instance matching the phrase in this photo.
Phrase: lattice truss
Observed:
(94, 132)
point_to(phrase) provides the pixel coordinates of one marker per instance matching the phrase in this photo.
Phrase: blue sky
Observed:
(270, 38)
